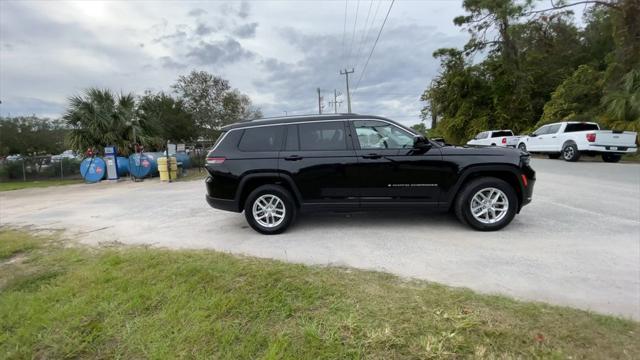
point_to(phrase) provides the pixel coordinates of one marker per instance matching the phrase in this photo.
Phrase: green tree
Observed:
(212, 102)
(623, 105)
(98, 118)
(30, 135)
(163, 118)
(577, 98)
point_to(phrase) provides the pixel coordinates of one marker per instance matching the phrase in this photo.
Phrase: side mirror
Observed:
(419, 142)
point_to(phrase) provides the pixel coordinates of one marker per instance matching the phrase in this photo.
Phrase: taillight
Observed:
(524, 180)
(591, 137)
(504, 140)
(215, 160)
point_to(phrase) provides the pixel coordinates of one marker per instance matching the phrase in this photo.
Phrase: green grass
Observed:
(62, 301)
(17, 185)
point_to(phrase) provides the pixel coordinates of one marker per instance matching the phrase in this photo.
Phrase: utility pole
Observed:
(347, 72)
(335, 101)
(320, 105)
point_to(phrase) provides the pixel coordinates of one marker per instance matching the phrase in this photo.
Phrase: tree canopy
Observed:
(537, 66)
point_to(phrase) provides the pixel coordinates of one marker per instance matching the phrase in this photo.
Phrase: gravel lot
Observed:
(576, 244)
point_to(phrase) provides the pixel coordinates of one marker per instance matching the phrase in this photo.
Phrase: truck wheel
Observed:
(611, 158)
(570, 152)
(554, 155)
(522, 147)
(270, 209)
(486, 204)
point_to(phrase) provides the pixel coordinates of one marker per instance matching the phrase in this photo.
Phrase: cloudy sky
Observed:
(278, 52)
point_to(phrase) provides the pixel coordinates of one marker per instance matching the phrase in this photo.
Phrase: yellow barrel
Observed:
(162, 168)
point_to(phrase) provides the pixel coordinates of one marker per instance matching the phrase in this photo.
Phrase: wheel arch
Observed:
(509, 173)
(250, 182)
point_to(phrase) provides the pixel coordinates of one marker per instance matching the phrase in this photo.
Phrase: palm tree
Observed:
(623, 105)
(98, 119)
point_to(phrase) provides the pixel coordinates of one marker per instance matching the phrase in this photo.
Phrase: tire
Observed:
(611, 158)
(468, 195)
(570, 152)
(277, 200)
(522, 147)
(554, 156)
(493, 144)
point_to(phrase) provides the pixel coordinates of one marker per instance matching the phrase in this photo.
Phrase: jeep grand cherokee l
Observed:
(274, 168)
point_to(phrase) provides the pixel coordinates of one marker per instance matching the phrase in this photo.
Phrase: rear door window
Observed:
(263, 138)
(502, 133)
(580, 127)
(322, 136)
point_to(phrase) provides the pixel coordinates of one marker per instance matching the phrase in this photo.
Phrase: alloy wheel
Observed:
(269, 211)
(489, 205)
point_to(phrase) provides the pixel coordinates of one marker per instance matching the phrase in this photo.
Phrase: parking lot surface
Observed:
(576, 244)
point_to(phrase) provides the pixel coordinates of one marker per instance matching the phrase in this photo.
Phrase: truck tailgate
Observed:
(610, 138)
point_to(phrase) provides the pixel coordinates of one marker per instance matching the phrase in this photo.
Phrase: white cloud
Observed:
(277, 52)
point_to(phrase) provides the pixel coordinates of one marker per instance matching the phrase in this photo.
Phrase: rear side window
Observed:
(502, 133)
(322, 136)
(265, 138)
(580, 127)
(219, 139)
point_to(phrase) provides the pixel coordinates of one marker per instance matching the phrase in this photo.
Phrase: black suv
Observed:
(273, 168)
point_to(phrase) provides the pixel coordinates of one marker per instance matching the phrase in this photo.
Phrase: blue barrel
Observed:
(144, 164)
(184, 160)
(122, 165)
(93, 169)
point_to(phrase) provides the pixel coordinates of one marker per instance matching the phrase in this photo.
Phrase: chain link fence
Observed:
(33, 168)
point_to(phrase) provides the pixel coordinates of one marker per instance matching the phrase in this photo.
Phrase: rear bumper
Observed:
(612, 149)
(223, 204)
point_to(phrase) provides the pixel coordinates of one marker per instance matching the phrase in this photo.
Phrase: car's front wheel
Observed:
(486, 204)
(270, 209)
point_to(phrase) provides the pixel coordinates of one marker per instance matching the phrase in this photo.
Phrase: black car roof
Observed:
(300, 118)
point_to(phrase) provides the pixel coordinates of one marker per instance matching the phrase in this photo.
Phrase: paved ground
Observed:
(577, 244)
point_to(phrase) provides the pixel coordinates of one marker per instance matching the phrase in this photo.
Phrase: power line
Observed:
(353, 36)
(374, 44)
(344, 30)
(365, 31)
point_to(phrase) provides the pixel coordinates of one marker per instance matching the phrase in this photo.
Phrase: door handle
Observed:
(372, 156)
(553, 137)
(293, 158)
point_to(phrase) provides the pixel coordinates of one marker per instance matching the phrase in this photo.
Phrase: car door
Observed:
(552, 142)
(535, 141)
(320, 159)
(389, 169)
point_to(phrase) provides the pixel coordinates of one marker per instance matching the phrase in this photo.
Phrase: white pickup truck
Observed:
(502, 138)
(572, 139)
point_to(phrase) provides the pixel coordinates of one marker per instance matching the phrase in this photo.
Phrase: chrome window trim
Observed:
(307, 122)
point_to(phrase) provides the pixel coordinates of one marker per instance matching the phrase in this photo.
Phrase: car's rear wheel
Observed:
(486, 204)
(611, 158)
(270, 209)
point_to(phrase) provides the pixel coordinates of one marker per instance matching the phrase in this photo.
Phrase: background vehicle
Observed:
(273, 168)
(503, 138)
(67, 154)
(572, 139)
(16, 157)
